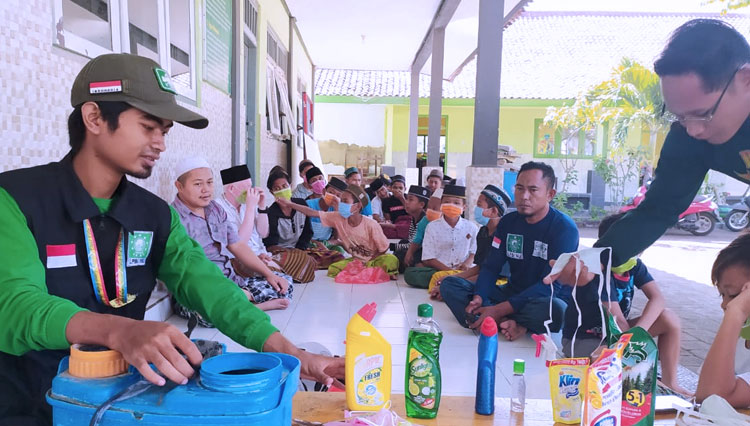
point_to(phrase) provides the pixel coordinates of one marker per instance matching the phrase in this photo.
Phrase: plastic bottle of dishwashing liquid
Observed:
(487, 352)
(368, 363)
(518, 387)
(423, 385)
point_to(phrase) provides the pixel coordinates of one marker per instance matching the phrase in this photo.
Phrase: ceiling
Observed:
(363, 34)
(383, 34)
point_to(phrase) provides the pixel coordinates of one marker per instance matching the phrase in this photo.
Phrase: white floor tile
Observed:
(321, 311)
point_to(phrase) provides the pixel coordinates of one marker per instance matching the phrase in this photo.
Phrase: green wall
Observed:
(517, 121)
(516, 127)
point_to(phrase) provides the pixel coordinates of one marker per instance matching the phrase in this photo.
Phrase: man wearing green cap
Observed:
(82, 247)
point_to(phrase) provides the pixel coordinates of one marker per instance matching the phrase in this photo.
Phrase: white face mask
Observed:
(591, 258)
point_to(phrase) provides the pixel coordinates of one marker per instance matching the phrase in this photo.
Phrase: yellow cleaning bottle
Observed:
(368, 363)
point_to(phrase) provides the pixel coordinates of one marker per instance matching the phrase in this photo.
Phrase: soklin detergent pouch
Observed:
(566, 387)
(638, 376)
(603, 402)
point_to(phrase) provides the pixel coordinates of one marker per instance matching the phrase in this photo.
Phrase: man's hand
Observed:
(261, 198)
(252, 198)
(265, 257)
(316, 367)
(465, 266)
(483, 312)
(144, 342)
(568, 274)
(323, 369)
(409, 258)
(476, 303)
(278, 283)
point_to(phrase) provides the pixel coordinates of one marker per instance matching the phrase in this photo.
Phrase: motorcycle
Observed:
(737, 219)
(699, 219)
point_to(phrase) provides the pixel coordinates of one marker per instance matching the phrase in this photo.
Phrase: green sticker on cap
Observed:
(165, 83)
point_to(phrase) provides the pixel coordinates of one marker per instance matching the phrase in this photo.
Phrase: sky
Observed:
(626, 5)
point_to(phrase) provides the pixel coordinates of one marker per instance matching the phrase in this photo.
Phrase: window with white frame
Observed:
(276, 51)
(163, 30)
(85, 25)
(144, 29)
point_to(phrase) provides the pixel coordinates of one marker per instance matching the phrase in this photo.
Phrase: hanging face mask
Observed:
(432, 215)
(345, 210)
(285, 193)
(451, 210)
(480, 217)
(318, 187)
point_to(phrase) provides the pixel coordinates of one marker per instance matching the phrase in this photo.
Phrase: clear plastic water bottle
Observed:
(518, 387)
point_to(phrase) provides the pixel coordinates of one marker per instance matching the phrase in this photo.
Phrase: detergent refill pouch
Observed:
(638, 375)
(566, 387)
(603, 402)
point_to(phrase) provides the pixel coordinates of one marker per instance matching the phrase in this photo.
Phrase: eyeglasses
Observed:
(703, 119)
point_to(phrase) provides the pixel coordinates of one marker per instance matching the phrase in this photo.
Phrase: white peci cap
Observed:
(190, 163)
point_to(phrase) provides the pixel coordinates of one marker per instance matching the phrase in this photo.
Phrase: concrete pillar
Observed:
(487, 98)
(238, 121)
(484, 169)
(436, 97)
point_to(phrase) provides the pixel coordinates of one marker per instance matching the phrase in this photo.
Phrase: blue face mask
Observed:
(482, 220)
(345, 210)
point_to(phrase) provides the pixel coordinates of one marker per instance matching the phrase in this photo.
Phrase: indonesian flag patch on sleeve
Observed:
(112, 86)
(496, 242)
(61, 256)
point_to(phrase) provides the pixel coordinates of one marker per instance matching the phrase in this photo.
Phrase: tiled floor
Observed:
(321, 310)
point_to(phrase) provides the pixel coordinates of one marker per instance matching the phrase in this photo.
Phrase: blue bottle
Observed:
(485, 398)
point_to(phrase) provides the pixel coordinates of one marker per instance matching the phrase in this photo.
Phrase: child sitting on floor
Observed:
(449, 243)
(656, 318)
(360, 235)
(726, 370)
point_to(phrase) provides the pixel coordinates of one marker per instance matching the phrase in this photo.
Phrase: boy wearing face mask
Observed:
(325, 246)
(289, 233)
(360, 235)
(491, 206)
(317, 181)
(449, 243)
(407, 251)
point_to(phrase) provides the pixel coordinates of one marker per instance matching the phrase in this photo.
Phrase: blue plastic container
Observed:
(231, 389)
(487, 352)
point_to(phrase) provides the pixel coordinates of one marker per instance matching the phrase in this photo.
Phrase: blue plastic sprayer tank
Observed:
(230, 389)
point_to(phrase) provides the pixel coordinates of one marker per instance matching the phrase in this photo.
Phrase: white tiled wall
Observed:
(35, 81)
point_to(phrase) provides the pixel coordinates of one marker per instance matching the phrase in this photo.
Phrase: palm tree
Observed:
(631, 97)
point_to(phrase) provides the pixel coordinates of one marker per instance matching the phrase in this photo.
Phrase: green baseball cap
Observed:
(140, 82)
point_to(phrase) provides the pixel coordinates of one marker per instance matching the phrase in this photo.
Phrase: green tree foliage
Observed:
(730, 4)
(630, 98)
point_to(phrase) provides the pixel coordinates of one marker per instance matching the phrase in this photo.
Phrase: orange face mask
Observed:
(451, 210)
(328, 198)
(432, 215)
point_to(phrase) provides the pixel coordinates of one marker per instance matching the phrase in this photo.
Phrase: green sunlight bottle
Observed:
(422, 388)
